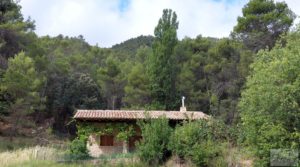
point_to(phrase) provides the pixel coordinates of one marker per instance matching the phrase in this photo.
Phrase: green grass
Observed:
(117, 156)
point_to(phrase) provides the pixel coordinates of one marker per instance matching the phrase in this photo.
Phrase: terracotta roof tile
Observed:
(137, 114)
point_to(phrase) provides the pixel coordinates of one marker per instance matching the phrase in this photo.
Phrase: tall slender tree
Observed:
(161, 65)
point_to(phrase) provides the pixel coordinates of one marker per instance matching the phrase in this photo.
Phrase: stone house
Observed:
(108, 144)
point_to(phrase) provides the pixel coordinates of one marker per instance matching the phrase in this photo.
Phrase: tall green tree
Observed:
(67, 93)
(112, 82)
(22, 82)
(162, 62)
(69, 65)
(137, 92)
(269, 106)
(262, 23)
(211, 75)
(192, 81)
(224, 71)
(13, 30)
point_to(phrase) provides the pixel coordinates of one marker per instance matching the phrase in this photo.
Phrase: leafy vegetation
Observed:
(248, 82)
(162, 62)
(262, 23)
(153, 148)
(130, 47)
(185, 142)
(16, 33)
(78, 147)
(270, 105)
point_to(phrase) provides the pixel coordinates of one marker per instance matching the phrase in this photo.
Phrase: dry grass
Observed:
(239, 157)
(18, 157)
(52, 157)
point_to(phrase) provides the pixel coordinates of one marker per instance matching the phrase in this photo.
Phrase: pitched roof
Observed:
(137, 114)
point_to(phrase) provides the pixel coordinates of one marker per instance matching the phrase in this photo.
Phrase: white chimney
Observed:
(182, 108)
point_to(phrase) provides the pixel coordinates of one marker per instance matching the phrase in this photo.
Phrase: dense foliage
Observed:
(78, 147)
(15, 32)
(161, 66)
(151, 74)
(211, 75)
(231, 79)
(21, 83)
(200, 141)
(153, 147)
(262, 23)
(130, 47)
(270, 102)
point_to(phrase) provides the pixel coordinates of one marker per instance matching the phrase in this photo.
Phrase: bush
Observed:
(199, 141)
(78, 149)
(152, 149)
(202, 153)
(185, 136)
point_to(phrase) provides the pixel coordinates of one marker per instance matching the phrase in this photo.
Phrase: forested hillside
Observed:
(248, 80)
(66, 73)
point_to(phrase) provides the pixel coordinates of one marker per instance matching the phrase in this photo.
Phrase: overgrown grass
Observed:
(49, 156)
(54, 157)
(7, 144)
(22, 153)
(16, 143)
(117, 156)
(20, 156)
(38, 163)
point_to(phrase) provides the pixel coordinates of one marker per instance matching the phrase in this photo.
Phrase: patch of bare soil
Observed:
(5, 127)
(246, 163)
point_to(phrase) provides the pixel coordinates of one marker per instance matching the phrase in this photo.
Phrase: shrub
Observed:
(199, 141)
(152, 149)
(78, 149)
(202, 153)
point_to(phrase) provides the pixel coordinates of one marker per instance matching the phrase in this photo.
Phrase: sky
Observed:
(108, 22)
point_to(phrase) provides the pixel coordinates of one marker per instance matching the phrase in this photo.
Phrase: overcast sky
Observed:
(108, 22)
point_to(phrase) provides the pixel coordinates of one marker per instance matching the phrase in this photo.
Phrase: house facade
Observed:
(99, 144)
